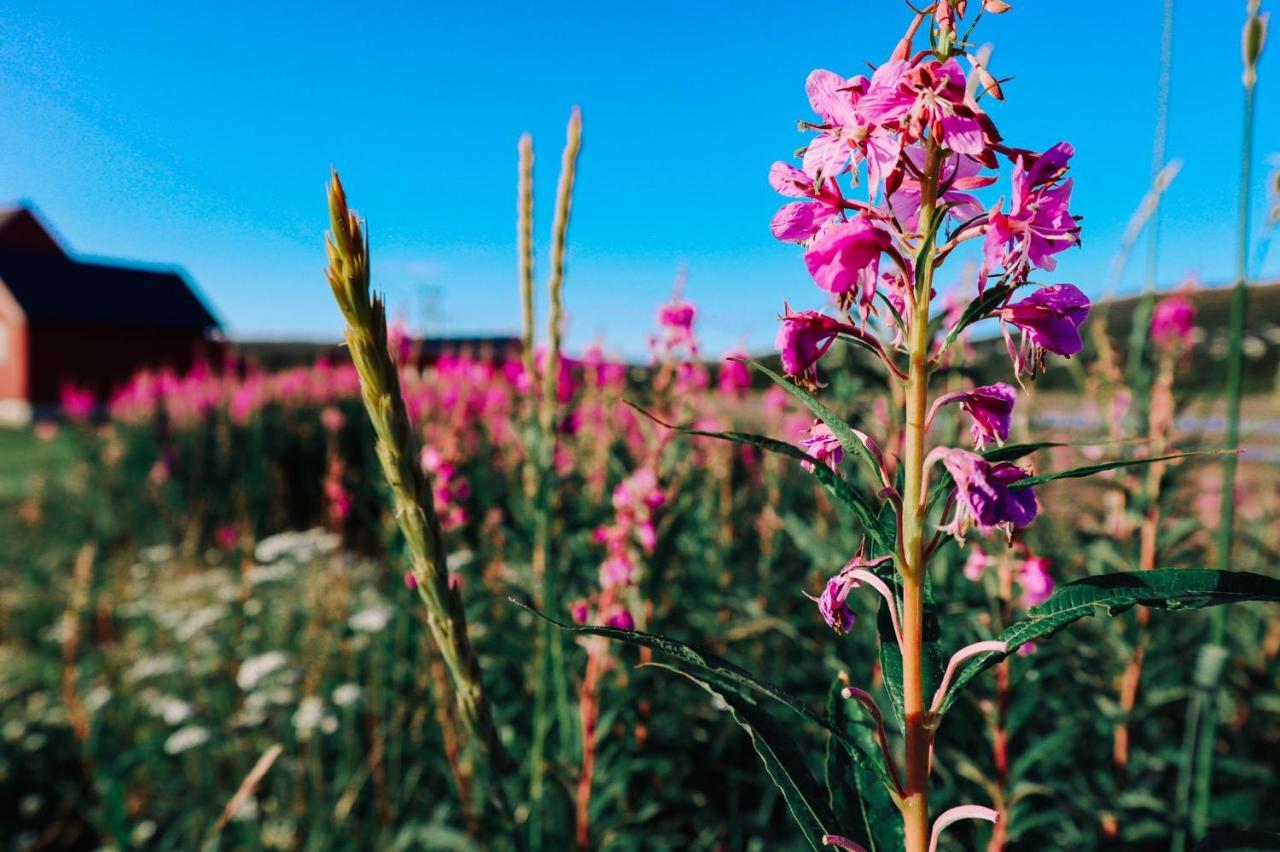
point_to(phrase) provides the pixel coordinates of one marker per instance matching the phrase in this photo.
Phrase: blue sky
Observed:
(201, 135)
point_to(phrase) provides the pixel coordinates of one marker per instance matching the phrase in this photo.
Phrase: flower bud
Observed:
(995, 7)
(1253, 39)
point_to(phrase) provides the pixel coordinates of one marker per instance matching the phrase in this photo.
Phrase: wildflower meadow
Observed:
(969, 559)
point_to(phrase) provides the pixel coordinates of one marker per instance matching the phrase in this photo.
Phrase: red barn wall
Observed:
(13, 349)
(103, 358)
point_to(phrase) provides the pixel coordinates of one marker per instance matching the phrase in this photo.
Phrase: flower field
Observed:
(870, 590)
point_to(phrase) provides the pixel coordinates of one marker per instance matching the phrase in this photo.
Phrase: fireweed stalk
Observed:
(366, 337)
(918, 125)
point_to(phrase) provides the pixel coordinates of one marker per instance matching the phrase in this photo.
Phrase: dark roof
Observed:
(21, 230)
(52, 287)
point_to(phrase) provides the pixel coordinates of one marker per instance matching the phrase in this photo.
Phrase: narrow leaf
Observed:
(1161, 588)
(840, 488)
(1090, 470)
(781, 757)
(706, 664)
(843, 431)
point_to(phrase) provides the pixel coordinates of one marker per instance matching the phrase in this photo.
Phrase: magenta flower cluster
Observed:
(915, 132)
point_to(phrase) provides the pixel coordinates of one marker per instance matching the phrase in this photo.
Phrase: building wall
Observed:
(13, 350)
(103, 358)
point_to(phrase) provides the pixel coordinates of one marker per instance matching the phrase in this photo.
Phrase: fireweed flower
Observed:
(958, 176)
(1172, 323)
(983, 496)
(1039, 223)
(823, 446)
(976, 565)
(800, 221)
(991, 408)
(803, 338)
(1033, 577)
(929, 96)
(735, 376)
(846, 257)
(848, 137)
(831, 603)
(1050, 320)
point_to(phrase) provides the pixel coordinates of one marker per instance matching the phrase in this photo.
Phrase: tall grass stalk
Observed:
(1139, 370)
(1253, 38)
(399, 455)
(550, 673)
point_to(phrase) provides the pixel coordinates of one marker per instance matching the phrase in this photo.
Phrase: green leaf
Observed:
(1238, 841)
(977, 310)
(1090, 470)
(706, 664)
(843, 431)
(863, 808)
(840, 488)
(779, 754)
(1161, 588)
(891, 655)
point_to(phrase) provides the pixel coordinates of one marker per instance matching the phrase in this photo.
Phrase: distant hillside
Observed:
(1213, 310)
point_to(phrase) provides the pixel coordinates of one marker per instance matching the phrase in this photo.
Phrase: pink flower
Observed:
(226, 536)
(846, 256)
(976, 565)
(831, 603)
(1050, 320)
(1172, 323)
(1039, 223)
(958, 175)
(800, 221)
(983, 493)
(930, 96)
(991, 408)
(332, 420)
(77, 403)
(803, 338)
(579, 612)
(847, 136)
(621, 619)
(823, 446)
(1033, 577)
(735, 376)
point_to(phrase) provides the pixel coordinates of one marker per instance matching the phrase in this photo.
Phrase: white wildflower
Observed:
(149, 667)
(156, 554)
(255, 669)
(346, 694)
(185, 739)
(371, 620)
(259, 574)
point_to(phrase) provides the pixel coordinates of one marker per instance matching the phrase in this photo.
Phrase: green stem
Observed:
(915, 804)
(1235, 387)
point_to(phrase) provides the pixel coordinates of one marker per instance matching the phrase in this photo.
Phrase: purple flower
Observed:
(983, 494)
(1033, 577)
(831, 603)
(990, 407)
(1050, 320)
(823, 446)
(621, 619)
(803, 338)
(1039, 223)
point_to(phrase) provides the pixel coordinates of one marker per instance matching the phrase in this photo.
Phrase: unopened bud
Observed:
(1253, 39)
(995, 7)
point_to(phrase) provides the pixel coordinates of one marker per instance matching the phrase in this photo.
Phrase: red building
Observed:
(90, 324)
